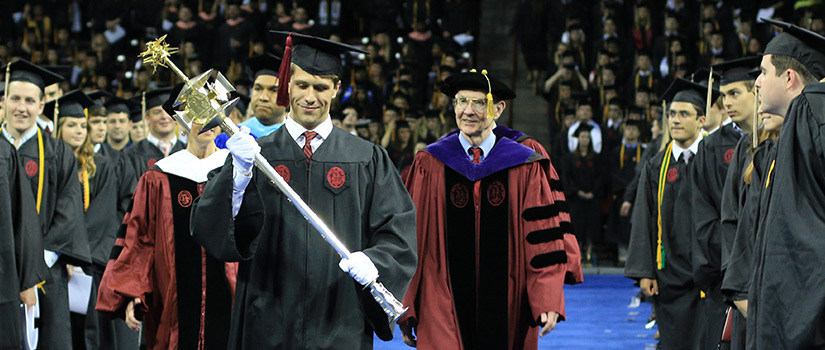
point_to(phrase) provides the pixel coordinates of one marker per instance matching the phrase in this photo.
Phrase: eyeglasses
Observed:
(479, 105)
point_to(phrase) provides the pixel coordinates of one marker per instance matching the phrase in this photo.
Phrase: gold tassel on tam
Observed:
(491, 110)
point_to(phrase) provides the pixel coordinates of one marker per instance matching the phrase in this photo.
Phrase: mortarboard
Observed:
(266, 64)
(639, 123)
(99, 97)
(136, 114)
(22, 70)
(476, 82)
(120, 105)
(64, 71)
(71, 105)
(616, 101)
(243, 101)
(804, 45)
(682, 90)
(157, 97)
(737, 70)
(314, 55)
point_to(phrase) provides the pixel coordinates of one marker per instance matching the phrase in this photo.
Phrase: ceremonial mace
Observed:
(208, 104)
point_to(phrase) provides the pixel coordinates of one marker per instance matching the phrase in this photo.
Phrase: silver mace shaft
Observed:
(208, 104)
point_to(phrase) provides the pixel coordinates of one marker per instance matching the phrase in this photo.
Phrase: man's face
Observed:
(117, 126)
(350, 116)
(262, 99)
(97, 129)
(614, 112)
(137, 131)
(643, 62)
(772, 90)
(53, 92)
(684, 124)
(160, 124)
(584, 113)
(390, 115)
(631, 133)
(738, 102)
(23, 106)
(471, 113)
(310, 97)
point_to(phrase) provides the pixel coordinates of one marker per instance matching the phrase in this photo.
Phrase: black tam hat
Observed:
(737, 70)
(804, 45)
(71, 105)
(682, 90)
(22, 70)
(120, 105)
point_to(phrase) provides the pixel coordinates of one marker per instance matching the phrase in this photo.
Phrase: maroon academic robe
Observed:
(510, 296)
(155, 259)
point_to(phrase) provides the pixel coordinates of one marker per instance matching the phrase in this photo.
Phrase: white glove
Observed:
(359, 267)
(243, 148)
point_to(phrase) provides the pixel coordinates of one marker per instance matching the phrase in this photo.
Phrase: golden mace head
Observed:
(157, 53)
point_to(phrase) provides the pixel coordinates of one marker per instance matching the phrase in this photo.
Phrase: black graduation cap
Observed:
(804, 45)
(582, 128)
(682, 90)
(136, 113)
(754, 73)
(157, 97)
(639, 123)
(71, 105)
(314, 55)
(266, 64)
(243, 101)
(99, 97)
(120, 105)
(737, 70)
(64, 71)
(635, 110)
(476, 82)
(167, 103)
(616, 101)
(22, 70)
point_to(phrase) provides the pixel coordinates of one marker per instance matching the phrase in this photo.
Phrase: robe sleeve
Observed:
(544, 255)
(731, 199)
(706, 242)
(67, 231)
(574, 273)
(641, 259)
(129, 274)
(392, 237)
(568, 173)
(212, 225)
(418, 184)
(126, 184)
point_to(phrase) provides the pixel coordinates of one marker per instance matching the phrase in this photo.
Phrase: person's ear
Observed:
(499, 107)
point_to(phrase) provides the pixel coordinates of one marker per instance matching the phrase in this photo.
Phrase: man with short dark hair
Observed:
(291, 293)
(162, 139)
(786, 300)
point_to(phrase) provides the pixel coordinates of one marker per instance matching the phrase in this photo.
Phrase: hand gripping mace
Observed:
(208, 104)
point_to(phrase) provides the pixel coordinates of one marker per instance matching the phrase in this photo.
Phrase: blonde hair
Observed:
(763, 135)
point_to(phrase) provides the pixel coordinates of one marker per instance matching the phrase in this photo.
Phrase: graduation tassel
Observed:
(283, 74)
(143, 104)
(56, 108)
(708, 102)
(491, 110)
(755, 121)
(85, 177)
(6, 91)
(665, 127)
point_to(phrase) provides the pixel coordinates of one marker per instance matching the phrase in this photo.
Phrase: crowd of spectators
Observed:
(390, 96)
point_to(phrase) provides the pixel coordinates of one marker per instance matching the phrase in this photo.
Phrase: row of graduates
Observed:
(181, 284)
(723, 226)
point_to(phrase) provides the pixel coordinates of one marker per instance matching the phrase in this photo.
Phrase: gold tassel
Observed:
(491, 110)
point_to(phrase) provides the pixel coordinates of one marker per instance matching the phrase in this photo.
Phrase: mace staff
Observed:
(204, 107)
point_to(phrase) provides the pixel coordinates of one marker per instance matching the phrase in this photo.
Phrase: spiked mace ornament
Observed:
(208, 103)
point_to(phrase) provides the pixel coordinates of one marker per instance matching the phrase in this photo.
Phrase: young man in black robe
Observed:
(786, 301)
(162, 139)
(21, 249)
(660, 239)
(622, 162)
(708, 180)
(291, 293)
(51, 173)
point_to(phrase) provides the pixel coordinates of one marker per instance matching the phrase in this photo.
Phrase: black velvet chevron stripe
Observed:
(550, 258)
(544, 212)
(566, 227)
(115, 252)
(556, 185)
(546, 235)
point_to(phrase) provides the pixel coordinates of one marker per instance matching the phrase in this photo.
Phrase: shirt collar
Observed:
(737, 128)
(27, 136)
(486, 145)
(156, 142)
(694, 147)
(44, 123)
(628, 144)
(295, 130)
(97, 147)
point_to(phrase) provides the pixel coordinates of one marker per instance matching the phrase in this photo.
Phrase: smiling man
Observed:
(708, 179)
(51, 174)
(487, 213)
(659, 254)
(291, 291)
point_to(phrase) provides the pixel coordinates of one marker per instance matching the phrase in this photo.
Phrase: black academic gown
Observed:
(678, 306)
(786, 306)
(143, 155)
(125, 175)
(103, 220)
(651, 150)
(290, 293)
(710, 166)
(740, 205)
(21, 249)
(622, 172)
(63, 230)
(586, 175)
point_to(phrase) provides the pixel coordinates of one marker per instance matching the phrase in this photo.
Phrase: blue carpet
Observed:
(598, 317)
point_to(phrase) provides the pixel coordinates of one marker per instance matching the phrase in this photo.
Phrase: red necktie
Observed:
(476, 154)
(308, 136)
